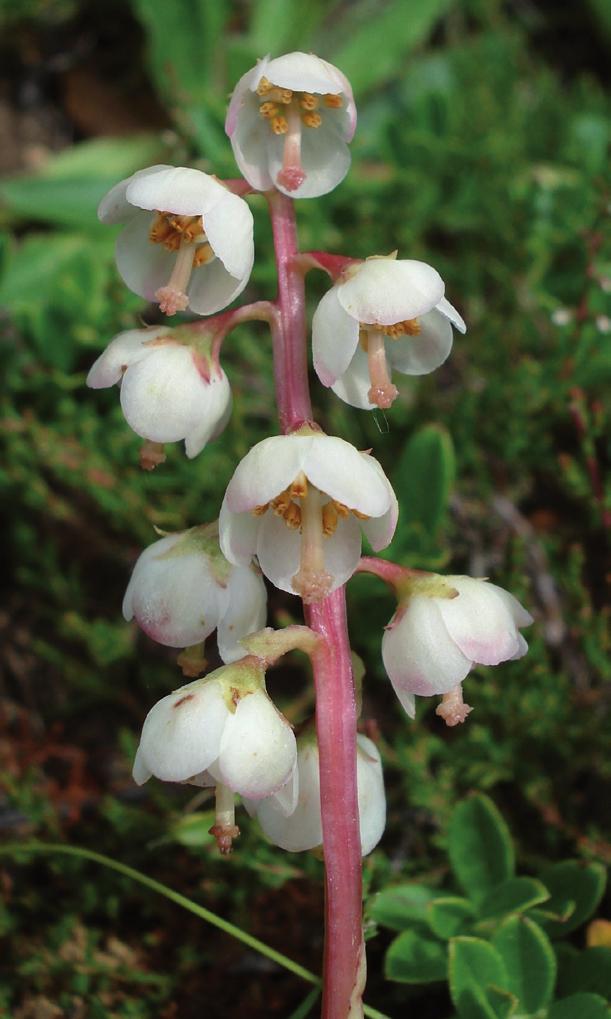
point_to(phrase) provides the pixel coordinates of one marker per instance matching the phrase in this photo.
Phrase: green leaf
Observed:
(400, 907)
(480, 847)
(424, 477)
(589, 970)
(397, 28)
(415, 958)
(278, 27)
(449, 916)
(193, 830)
(513, 896)
(571, 881)
(529, 961)
(477, 979)
(580, 1006)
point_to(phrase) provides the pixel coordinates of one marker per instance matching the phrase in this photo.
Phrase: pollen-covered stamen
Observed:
(172, 230)
(382, 392)
(333, 102)
(203, 254)
(410, 327)
(307, 101)
(312, 119)
(292, 174)
(224, 828)
(312, 581)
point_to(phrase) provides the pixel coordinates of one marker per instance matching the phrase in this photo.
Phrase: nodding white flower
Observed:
(289, 121)
(302, 828)
(298, 502)
(382, 314)
(187, 242)
(183, 588)
(222, 729)
(444, 626)
(172, 385)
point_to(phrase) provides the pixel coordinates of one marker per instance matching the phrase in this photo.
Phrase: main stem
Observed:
(336, 715)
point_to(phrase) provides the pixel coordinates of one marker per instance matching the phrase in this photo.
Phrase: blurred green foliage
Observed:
(481, 148)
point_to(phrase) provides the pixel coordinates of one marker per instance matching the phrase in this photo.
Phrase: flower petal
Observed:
(385, 290)
(303, 828)
(337, 468)
(178, 189)
(450, 312)
(278, 551)
(114, 207)
(246, 612)
(249, 141)
(325, 158)
(266, 470)
(258, 748)
(379, 531)
(335, 337)
(212, 288)
(354, 385)
(372, 799)
(217, 407)
(229, 229)
(304, 72)
(419, 355)
(419, 655)
(143, 266)
(126, 349)
(238, 535)
(182, 733)
(480, 621)
(163, 397)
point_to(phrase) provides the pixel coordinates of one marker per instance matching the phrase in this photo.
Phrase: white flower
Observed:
(172, 387)
(224, 726)
(382, 314)
(187, 242)
(299, 502)
(442, 628)
(302, 828)
(289, 121)
(183, 588)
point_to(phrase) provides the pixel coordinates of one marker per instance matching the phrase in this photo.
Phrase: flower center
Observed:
(372, 339)
(305, 508)
(288, 112)
(186, 236)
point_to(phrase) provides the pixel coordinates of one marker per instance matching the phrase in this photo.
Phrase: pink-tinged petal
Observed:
(419, 655)
(215, 411)
(212, 288)
(143, 266)
(335, 337)
(181, 736)
(450, 312)
(246, 612)
(244, 88)
(521, 649)
(114, 207)
(164, 397)
(379, 531)
(178, 189)
(238, 534)
(250, 141)
(337, 468)
(270, 467)
(229, 229)
(518, 613)
(354, 385)
(126, 349)
(325, 157)
(479, 621)
(386, 290)
(258, 748)
(421, 354)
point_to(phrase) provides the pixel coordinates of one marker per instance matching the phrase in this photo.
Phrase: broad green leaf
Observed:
(278, 27)
(480, 847)
(513, 896)
(529, 961)
(416, 958)
(589, 970)
(580, 1006)
(424, 477)
(397, 28)
(571, 881)
(477, 979)
(400, 907)
(450, 916)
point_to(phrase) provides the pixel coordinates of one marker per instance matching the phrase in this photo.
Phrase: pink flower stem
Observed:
(336, 713)
(391, 573)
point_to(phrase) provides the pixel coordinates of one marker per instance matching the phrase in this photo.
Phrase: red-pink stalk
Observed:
(392, 573)
(336, 714)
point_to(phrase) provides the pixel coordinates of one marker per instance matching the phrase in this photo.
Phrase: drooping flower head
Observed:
(187, 242)
(220, 729)
(381, 314)
(289, 121)
(183, 588)
(301, 828)
(298, 502)
(172, 384)
(444, 626)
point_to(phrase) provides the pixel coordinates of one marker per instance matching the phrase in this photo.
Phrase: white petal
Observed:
(354, 385)
(266, 470)
(371, 796)
(519, 614)
(140, 772)
(335, 337)
(391, 290)
(325, 157)
(278, 551)
(337, 468)
(419, 655)
(343, 551)
(164, 397)
(479, 620)
(182, 733)
(114, 207)
(246, 612)
(238, 535)
(250, 145)
(303, 828)
(229, 229)
(178, 189)
(246, 86)
(144, 266)
(450, 312)
(419, 355)
(379, 531)
(211, 287)
(286, 797)
(217, 406)
(258, 748)
(126, 349)
(149, 555)
(304, 72)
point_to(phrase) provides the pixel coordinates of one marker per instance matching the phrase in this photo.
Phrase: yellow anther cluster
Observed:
(279, 125)
(171, 230)
(306, 102)
(284, 506)
(273, 93)
(312, 119)
(202, 254)
(332, 101)
(410, 327)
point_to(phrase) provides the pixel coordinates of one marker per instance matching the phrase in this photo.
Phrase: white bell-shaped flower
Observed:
(183, 588)
(187, 241)
(382, 314)
(444, 626)
(289, 122)
(302, 828)
(172, 386)
(225, 726)
(299, 502)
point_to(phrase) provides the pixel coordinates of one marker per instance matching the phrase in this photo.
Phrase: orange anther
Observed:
(333, 102)
(312, 119)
